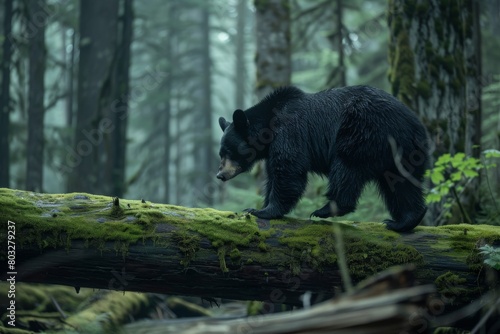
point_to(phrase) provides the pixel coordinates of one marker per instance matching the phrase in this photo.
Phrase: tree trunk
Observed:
(98, 38)
(432, 48)
(340, 30)
(205, 192)
(473, 73)
(240, 70)
(493, 14)
(273, 57)
(84, 240)
(167, 113)
(427, 67)
(70, 77)
(118, 108)
(36, 22)
(341, 70)
(5, 94)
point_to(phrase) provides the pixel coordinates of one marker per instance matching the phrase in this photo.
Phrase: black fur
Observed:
(352, 135)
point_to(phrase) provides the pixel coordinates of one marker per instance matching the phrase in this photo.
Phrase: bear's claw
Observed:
(324, 212)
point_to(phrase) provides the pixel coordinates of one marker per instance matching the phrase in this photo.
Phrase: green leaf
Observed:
(492, 153)
(443, 191)
(471, 173)
(457, 176)
(433, 198)
(437, 178)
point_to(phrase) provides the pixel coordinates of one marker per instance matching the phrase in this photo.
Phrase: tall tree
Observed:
(241, 75)
(273, 57)
(5, 95)
(431, 54)
(204, 154)
(98, 40)
(338, 75)
(473, 73)
(36, 22)
(167, 113)
(116, 107)
(69, 71)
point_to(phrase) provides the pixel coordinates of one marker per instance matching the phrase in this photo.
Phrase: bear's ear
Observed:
(223, 123)
(240, 121)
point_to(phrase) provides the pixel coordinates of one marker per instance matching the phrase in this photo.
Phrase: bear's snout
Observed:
(228, 169)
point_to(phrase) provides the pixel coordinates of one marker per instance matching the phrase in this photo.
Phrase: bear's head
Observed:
(237, 155)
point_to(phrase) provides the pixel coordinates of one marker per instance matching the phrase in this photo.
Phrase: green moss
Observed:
(39, 297)
(422, 9)
(460, 242)
(424, 89)
(367, 257)
(369, 249)
(451, 286)
(221, 253)
(254, 307)
(235, 254)
(188, 244)
(402, 67)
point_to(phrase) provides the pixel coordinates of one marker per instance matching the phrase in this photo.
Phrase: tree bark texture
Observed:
(5, 94)
(117, 106)
(240, 67)
(435, 70)
(428, 69)
(167, 113)
(273, 57)
(36, 22)
(98, 40)
(85, 240)
(204, 153)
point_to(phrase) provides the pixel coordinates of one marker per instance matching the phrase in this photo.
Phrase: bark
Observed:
(36, 22)
(241, 75)
(120, 308)
(84, 240)
(167, 117)
(273, 57)
(435, 70)
(338, 75)
(385, 306)
(428, 69)
(340, 45)
(473, 66)
(68, 70)
(98, 38)
(472, 51)
(493, 14)
(117, 110)
(5, 94)
(204, 155)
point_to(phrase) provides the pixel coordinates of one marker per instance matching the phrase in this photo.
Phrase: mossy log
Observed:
(84, 240)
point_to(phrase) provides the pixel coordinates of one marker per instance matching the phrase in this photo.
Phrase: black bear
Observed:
(352, 135)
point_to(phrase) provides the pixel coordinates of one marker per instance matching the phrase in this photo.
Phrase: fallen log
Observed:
(84, 240)
(387, 303)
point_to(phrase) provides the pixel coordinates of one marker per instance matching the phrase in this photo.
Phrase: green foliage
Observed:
(452, 173)
(492, 255)
(449, 171)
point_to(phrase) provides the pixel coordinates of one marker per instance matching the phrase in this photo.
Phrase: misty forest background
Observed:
(122, 97)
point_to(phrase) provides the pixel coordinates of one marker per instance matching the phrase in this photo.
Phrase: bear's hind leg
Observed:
(344, 188)
(405, 202)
